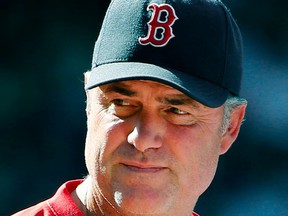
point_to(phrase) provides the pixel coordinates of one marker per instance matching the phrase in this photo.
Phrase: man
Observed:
(162, 105)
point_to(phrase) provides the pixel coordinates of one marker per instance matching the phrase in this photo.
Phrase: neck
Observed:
(89, 203)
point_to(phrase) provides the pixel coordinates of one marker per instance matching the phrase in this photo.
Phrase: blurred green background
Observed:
(46, 46)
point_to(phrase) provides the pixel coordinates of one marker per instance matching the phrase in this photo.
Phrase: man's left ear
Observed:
(86, 77)
(232, 132)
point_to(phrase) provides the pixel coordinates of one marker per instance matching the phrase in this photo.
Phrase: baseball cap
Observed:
(194, 46)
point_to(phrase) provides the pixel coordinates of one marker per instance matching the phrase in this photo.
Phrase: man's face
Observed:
(150, 148)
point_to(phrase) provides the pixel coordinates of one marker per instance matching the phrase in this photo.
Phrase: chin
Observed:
(144, 204)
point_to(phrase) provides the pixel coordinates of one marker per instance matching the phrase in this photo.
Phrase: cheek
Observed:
(95, 141)
(197, 153)
(103, 137)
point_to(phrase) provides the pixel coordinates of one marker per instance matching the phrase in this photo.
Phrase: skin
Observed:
(150, 149)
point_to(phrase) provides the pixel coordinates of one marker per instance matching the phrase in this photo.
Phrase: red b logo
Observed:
(156, 25)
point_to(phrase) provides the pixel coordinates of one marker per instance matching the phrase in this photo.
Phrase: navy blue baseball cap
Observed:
(194, 46)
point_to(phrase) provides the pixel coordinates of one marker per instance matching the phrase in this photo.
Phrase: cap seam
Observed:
(103, 31)
(120, 60)
(226, 44)
(112, 61)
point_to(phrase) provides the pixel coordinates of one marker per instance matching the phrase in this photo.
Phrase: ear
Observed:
(86, 77)
(232, 132)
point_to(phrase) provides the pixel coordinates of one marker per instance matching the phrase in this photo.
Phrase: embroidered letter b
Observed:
(159, 31)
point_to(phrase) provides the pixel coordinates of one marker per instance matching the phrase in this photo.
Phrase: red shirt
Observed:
(61, 204)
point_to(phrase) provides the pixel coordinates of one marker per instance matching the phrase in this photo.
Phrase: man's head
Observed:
(152, 149)
(162, 104)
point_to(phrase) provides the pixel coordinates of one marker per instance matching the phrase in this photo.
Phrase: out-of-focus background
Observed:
(45, 46)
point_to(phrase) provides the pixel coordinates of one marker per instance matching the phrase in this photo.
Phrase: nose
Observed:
(147, 133)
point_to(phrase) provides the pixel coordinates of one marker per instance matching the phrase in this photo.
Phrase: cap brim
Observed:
(200, 90)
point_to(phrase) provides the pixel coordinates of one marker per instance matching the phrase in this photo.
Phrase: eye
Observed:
(120, 102)
(122, 108)
(180, 117)
(178, 111)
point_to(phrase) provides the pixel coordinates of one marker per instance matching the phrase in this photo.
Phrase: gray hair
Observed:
(232, 103)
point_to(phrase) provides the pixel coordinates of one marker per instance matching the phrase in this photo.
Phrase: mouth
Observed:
(143, 168)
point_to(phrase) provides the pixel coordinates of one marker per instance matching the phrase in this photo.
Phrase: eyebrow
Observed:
(121, 90)
(179, 100)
